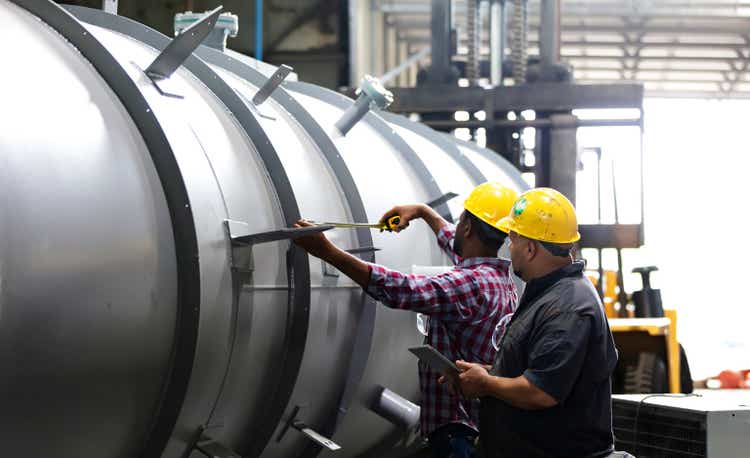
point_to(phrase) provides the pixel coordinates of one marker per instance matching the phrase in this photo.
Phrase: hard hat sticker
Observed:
(519, 206)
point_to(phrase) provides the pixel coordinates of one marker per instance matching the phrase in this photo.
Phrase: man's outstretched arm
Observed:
(319, 246)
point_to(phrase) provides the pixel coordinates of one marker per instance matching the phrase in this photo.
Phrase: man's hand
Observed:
(317, 245)
(406, 212)
(473, 379)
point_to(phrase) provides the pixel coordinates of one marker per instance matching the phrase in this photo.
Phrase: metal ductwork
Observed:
(151, 303)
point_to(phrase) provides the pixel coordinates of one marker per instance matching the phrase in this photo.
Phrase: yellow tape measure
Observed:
(389, 225)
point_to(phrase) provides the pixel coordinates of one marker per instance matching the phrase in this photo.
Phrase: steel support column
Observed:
(562, 162)
(440, 25)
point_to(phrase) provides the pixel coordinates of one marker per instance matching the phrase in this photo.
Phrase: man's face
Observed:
(518, 248)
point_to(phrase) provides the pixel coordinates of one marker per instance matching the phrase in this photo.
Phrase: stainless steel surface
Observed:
(95, 254)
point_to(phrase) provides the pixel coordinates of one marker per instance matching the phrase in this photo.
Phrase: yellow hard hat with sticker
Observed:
(543, 214)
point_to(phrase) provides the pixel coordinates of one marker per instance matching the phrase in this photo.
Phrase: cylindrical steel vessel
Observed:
(130, 325)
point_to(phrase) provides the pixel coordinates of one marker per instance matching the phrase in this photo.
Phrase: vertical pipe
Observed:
(403, 55)
(259, 29)
(109, 6)
(549, 33)
(440, 37)
(497, 42)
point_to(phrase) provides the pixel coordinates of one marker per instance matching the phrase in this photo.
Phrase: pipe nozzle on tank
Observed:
(371, 92)
(396, 409)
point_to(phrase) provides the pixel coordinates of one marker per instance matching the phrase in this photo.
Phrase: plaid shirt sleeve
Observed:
(445, 237)
(452, 296)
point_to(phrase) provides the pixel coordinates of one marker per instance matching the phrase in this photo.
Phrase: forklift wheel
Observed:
(648, 375)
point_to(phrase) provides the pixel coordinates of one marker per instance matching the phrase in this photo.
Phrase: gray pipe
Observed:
(352, 115)
(372, 93)
(497, 41)
(396, 409)
(440, 37)
(549, 33)
(405, 65)
(109, 6)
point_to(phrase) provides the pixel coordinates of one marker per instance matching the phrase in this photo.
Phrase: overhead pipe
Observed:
(440, 41)
(497, 41)
(259, 29)
(405, 65)
(549, 33)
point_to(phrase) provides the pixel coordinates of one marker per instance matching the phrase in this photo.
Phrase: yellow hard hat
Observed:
(490, 202)
(543, 214)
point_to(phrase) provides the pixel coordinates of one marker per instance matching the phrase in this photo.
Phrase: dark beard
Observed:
(458, 244)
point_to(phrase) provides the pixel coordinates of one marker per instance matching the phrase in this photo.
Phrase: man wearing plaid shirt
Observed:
(465, 305)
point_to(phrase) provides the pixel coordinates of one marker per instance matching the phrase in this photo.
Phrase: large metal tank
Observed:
(130, 323)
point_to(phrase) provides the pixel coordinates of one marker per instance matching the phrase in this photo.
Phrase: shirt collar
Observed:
(471, 262)
(537, 286)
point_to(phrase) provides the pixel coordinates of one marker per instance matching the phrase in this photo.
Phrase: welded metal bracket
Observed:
(285, 233)
(178, 50)
(265, 91)
(330, 271)
(271, 84)
(311, 434)
(434, 204)
(252, 107)
(242, 240)
(363, 249)
(442, 199)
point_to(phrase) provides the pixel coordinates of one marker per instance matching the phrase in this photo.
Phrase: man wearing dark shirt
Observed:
(548, 392)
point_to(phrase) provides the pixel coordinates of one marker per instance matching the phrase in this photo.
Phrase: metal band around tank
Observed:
(366, 325)
(381, 127)
(183, 228)
(296, 335)
(477, 177)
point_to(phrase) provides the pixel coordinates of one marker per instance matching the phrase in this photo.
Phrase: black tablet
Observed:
(435, 360)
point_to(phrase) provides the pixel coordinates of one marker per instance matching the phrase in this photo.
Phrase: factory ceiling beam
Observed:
(541, 96)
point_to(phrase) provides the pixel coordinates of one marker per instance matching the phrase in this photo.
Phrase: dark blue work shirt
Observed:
(559, 339)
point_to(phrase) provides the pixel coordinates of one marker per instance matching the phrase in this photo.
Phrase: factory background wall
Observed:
(309, 35)
(696, 158)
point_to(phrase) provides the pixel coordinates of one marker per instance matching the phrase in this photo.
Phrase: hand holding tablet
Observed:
(436, 360)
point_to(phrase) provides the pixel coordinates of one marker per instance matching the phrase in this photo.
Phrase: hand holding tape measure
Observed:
(389, 225)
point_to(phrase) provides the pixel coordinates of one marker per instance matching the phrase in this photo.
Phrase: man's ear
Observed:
(532, 249)
(467, 228)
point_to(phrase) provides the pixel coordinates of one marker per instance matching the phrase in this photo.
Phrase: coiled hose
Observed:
(519, 51)
(472, 32)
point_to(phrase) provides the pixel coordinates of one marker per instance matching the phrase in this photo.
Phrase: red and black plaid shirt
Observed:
(465, 306)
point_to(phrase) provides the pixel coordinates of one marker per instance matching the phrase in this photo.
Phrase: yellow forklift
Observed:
(651, 360)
